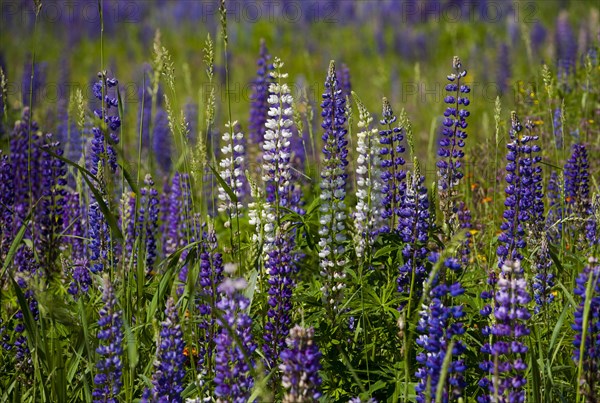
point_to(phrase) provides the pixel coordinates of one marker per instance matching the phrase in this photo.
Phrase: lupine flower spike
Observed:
(300, 367)
(506, 367)
(168, 366)
(393, 176)
(277, 250)
(368, 180)
(451, 154)
(108, 378)
(441, 328)
(333, 191)
(586, 346)
(234, 354)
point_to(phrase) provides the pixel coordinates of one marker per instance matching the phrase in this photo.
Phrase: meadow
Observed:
(287, 201)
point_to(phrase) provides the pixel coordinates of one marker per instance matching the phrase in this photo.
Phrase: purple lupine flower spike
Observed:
(7, 199)
(588, 347)
(260, 94)
(440, 324)
(210, 276)
(413, 229)
(167, 379)
(578, 202)
(108, 379)
(393, 175)
(343, 77)
(507, 366)
(148, 219)
(300, 367)
(99, 238)
(333, 191)
(451, 144)
(566, 46)
(522, 191)
(161, 137)
(233, 358)
(34, 88)
(101, 152)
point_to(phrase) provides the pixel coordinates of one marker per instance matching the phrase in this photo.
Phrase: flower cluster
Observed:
(413, 229)
(234, 345)
(167, 379)
(108, 378)
(260, 94)
(578, 202)
(300, 367)
(453, 134)
(333, 190)
(50, 209)
(232, 172)
(523, 194)
(210, 276)
(101, 152)
(148, 220)
(393, 176)
(368, 176)
(506, 366)
(276, 147)
(586, 345)
(440, 329)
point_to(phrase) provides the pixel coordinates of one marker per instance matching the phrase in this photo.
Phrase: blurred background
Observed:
(398, 49)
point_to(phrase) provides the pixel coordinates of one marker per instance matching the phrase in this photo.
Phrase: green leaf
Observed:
(224, 185)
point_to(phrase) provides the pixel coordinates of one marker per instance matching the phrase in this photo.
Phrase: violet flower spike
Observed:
(332, 218)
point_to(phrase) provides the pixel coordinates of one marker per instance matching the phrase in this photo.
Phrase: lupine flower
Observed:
(102, 153)
(99, 238)
(537, 36)
(7, 199)
(233, 356)
(72, 224)
(343, 77)
(300, 367)
(161, 139)
(26, 170)
(260, 93)
(413, 229)
(276, 146)
(33, 88)
(544, 279)
(577, 193)
(333, 190)
(451, 144)
(108, 378)
(440, 325)
(232, 172)
(393, 175)
(368, 182)
(278, 243)
(566, 46)
(27, 271)
(168, 373)
(588, 347)
(210, 276)
(174, 215)
(358, 400)
(506, 367)
(522, 191)
(81, 278)
(148, 220)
